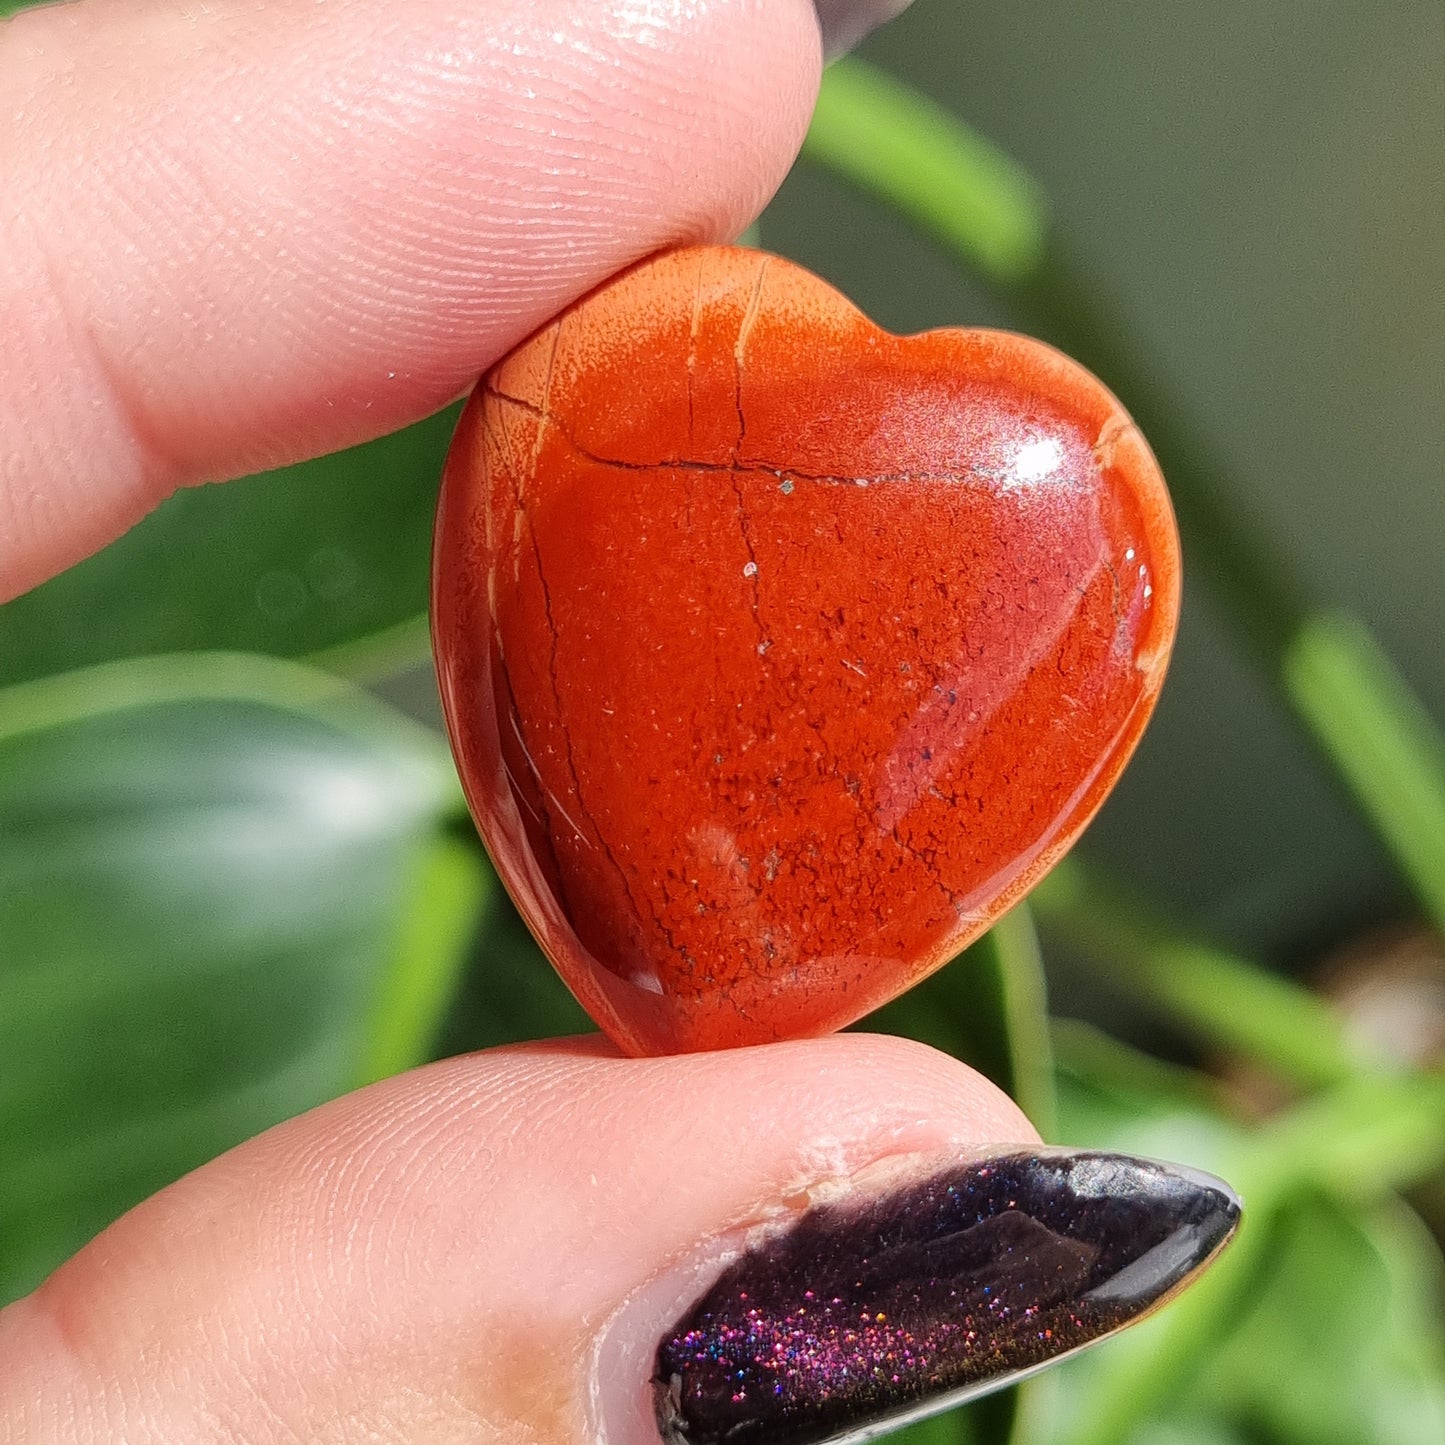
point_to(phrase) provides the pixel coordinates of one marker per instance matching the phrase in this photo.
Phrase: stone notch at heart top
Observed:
(781, 655)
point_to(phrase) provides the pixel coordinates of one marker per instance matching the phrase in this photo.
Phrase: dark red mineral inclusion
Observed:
(781, 655)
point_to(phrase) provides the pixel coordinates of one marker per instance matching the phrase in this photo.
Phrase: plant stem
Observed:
(960, 188)
(1020, 968)
(450, 895)
(988, 214)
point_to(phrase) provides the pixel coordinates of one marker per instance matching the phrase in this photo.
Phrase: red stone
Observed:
(782, 655)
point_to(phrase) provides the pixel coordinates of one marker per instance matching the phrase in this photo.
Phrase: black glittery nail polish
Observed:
(868, 1313)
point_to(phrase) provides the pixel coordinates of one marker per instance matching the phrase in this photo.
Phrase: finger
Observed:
(432, 1258)
(237, 234)
(502, 1247)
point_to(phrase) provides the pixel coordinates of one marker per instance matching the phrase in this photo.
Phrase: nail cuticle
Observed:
(910, 1286)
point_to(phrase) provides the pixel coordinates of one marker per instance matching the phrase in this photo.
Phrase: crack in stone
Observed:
(692, 348)
(1115, 604)
(760, 467)
(736, 468)
(546, 420)
(745, 329)
(751, 570)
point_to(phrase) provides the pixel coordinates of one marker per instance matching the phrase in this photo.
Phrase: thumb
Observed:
(513, 1246)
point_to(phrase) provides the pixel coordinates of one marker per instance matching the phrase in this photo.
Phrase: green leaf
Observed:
(285, 563)
(1225, 1001)
(957, 1427)
(1341, 1339)
(1382, 741)
(1352, 1144)
(225, 896)
(510, 991)
(1335, 1338)
(1107, 1090)
(452, 890)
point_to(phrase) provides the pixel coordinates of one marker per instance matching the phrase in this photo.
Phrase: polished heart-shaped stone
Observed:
(781, 655)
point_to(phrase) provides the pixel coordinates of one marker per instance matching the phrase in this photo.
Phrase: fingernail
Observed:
(845, 22)
(882, 1308)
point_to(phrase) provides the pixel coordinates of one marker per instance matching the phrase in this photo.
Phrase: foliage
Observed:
(232, 886)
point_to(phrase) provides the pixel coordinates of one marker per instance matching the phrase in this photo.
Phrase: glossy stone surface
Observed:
(780, 655)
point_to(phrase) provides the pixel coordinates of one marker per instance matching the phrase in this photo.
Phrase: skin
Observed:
(433, 1259)
(252, 234)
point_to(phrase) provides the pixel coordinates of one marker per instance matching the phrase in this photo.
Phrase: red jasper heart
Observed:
(781, 655)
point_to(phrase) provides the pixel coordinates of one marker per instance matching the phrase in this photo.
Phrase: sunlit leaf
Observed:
(224, 897)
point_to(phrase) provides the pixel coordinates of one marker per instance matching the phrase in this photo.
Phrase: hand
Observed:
(237, 235)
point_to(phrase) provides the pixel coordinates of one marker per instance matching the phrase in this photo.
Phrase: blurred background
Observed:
(1245, 203)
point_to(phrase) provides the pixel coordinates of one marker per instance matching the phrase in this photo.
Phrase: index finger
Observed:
(242, 234)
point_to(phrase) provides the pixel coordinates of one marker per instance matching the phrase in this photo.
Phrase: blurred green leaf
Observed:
(285, 563)
(1341, 1338)
(1337, 1339)
(969, 194)
(1359, 1139)
(957, 1427)
(510, 992)
(224, 896)
(1382, 741)
(452, 891)
(1223, 1000)
(1106, 1089)
(1018, 967)
(1351, 1145)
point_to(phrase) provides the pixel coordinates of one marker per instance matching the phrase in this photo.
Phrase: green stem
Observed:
(1020, 968)
(450, 894)
(1359, 1141)
(1099, 1059)
(1225, 1001)
(989, 215)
